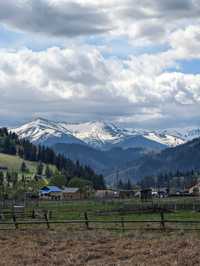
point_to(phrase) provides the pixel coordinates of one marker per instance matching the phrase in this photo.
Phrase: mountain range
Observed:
(101, 135)
(106, 147)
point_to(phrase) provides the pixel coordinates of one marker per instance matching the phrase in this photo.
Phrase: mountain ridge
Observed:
(183, 158)
(98, 134)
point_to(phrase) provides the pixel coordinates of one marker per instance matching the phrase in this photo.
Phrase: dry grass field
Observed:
(90, 248)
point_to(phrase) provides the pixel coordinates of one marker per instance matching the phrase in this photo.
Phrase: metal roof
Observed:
(49, 189)
(71, 189)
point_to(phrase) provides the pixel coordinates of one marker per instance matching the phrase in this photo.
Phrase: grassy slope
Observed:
(13, 163)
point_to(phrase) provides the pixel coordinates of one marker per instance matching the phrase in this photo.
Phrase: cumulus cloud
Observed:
(148, 20)
(186, 42)
(54, 18)
(152, 21)
(71, 81)
(79, 82)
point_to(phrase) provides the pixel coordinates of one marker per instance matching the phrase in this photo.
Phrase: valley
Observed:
(108, 148)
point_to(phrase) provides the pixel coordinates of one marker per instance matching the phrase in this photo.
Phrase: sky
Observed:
(133, 62)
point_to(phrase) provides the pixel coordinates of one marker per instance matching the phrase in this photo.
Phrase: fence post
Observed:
(15, 221)
(162, 222)
(175, 206)
(122, 223)
(46, 219)
(86, 220)
(33, 214)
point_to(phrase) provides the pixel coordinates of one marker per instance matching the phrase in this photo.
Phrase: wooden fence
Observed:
(172, 204)
(117, 224)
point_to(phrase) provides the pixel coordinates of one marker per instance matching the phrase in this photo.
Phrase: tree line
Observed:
(177, 180)
(11, 144)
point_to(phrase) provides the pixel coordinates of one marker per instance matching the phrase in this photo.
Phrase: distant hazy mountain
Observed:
(102, 161)
(184, 158)
(97, 134)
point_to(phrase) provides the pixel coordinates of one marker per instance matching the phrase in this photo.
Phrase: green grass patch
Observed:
(95, 209)
(13, 163)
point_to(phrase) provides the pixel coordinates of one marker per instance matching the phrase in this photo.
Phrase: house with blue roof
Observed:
(51, 192)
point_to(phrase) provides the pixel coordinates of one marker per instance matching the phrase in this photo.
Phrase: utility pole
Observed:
(117, 177)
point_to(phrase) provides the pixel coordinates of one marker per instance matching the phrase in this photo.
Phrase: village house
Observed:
(126, 194)
(194, 190)
(3, 168)
(106, 194)
(163, 192)
(72, 193)
(51, 192)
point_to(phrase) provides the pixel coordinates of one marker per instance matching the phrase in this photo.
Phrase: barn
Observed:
(72, 193)
(50, 192)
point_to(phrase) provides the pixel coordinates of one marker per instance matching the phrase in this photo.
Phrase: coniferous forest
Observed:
(12, 145)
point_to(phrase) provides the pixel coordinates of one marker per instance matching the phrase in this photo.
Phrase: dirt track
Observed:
(95, 249)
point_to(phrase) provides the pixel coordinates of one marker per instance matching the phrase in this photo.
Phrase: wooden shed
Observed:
(72, 193)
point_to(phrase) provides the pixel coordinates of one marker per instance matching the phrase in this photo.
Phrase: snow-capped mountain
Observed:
(165, 138)
(98, 134)
(186, 133)
(42, 131)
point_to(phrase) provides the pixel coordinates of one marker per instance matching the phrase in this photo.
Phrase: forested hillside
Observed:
(12, 145)
(182, 158)
(101, 161)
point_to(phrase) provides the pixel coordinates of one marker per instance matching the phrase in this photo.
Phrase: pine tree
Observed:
(24, 181)
(120, 184)
(11, 144)
(14, 178)
(40, 168)
(8, 179)
(129, 185)
(2, 183)
(48, 172)
(23, 167)
(1, 178)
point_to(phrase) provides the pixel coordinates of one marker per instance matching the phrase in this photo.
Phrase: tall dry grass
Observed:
(90, 248)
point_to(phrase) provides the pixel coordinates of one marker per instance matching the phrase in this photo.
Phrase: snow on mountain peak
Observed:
(95, 133)
(98, 134)
(41, 130)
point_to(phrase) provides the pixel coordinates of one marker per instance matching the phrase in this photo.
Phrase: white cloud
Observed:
(186, 42)
(71, 79)
(79, 81)
(54, 18)
(142, 21)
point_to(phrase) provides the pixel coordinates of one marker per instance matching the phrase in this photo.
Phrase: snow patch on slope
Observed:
(165, 139)
(41, 130)
(98, 134)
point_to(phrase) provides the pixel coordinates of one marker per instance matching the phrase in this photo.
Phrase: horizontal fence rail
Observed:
(109, 217)
(89, 223)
